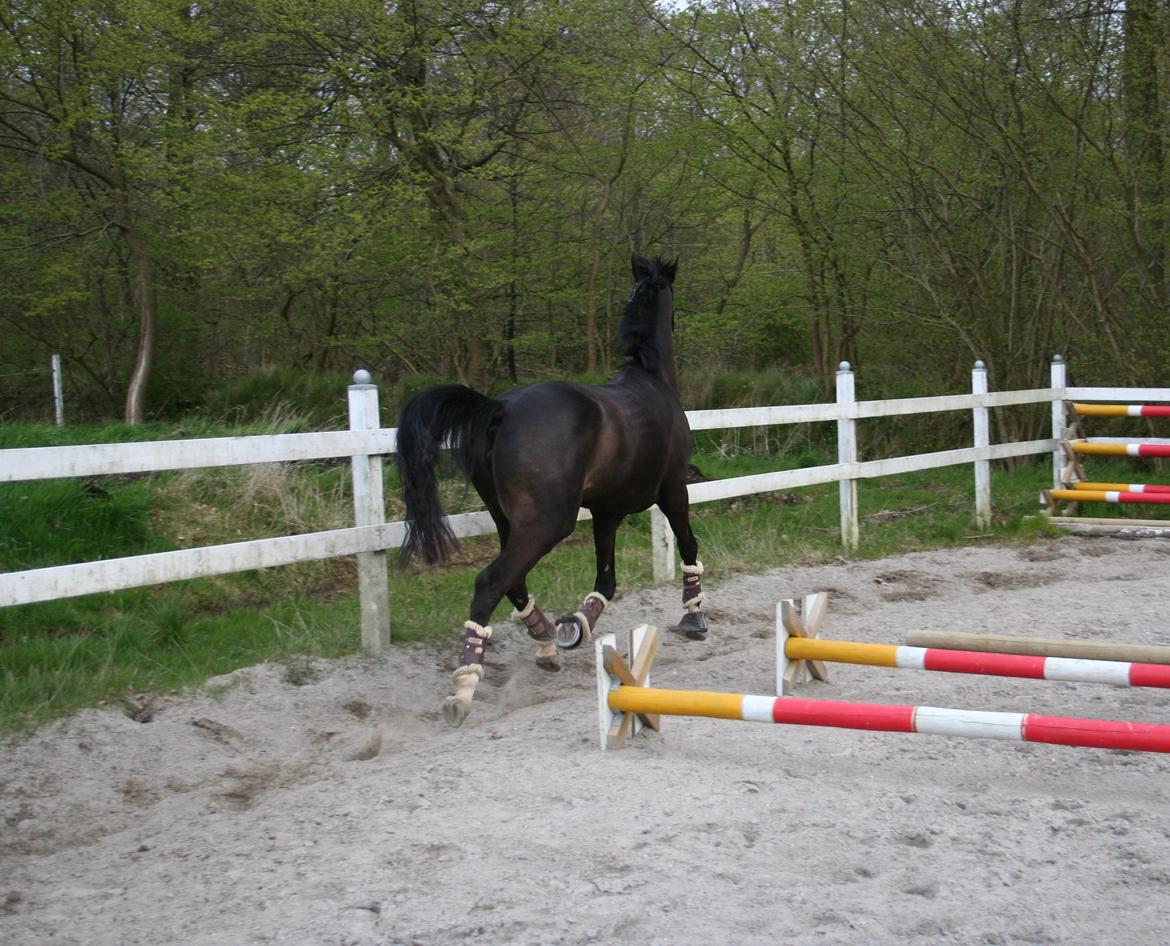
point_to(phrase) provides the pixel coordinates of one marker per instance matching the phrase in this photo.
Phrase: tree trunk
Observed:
(1144, 127)
(144, 293)
(597, 219)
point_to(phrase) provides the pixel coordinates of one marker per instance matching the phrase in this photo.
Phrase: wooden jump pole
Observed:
(621, 698)
(1130, 528)
(1041, 646)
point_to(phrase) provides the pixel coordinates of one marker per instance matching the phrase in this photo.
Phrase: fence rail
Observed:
(109, 459)
(366, 443)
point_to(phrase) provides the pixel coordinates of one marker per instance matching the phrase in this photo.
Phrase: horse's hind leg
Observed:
(539, 627)
(578, 626)
(675, 505)
(523, 550)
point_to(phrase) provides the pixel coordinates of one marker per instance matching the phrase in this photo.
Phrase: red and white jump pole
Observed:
(621, 698)
(1123, 487)
(1115, 448)
(1117, 496)
(1122, 410)
(797, 643)
(624, 699)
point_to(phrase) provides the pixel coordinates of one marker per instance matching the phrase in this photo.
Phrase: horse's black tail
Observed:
(445, 415)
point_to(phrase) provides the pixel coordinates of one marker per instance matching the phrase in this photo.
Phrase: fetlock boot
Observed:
(468, 673)
(540, 629)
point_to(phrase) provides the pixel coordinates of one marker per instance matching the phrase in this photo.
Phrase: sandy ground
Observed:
(335, 807)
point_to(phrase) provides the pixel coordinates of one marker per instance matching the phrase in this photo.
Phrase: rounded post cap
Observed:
(1056, 359)
(844, 366)
(980, 366)
(361, 376)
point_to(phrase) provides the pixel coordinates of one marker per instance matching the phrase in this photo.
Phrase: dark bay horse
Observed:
(539, 453)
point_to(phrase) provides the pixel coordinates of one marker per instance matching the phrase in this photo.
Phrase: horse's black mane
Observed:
(636, 334)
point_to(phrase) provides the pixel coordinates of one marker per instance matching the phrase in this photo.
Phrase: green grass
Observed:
(149, 643)
(61, 521)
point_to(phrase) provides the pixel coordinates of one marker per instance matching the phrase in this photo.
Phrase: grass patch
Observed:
(52, 522)
(150, 642)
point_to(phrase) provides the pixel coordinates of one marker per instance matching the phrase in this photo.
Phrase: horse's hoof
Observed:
(551, 663)
(455, 711)
(693, 626)
(569, 634)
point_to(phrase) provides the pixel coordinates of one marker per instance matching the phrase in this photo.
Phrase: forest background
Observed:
(196, 193)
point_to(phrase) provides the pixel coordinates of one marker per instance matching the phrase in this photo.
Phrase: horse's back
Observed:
(610, 447)
(548, 415)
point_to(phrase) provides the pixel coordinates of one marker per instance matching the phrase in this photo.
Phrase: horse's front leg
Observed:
(578, 626)
(675, 505)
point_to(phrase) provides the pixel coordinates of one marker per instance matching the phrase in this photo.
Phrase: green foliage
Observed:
(750, 389)
(452, 188)
(56, 522)
(315, 399)
(152, 650)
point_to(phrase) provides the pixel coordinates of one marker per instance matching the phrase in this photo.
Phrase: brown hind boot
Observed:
(468, 674)
(540, 629)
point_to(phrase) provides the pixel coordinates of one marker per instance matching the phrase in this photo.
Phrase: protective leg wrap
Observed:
(594, 604)
(586, 618)
(467, 674)
(474, 638)
(692, 587)
(539, 627)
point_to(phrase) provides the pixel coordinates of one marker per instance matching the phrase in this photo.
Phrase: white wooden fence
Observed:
(366, 443)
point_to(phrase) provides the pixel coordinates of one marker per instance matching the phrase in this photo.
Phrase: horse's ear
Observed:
(641, 267)
(669, 269)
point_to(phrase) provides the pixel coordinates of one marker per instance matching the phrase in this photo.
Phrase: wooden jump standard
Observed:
(622, 699)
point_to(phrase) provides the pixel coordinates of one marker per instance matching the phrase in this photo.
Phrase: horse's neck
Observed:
(666, 369)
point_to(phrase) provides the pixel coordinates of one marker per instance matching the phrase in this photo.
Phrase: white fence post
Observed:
(1059, 420)
(662, 546)
(847, 455)
(980, 417)
(58, 391)
(369, 509)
